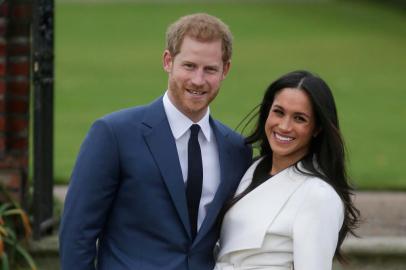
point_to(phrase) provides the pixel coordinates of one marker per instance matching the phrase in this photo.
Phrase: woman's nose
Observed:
(285, 124)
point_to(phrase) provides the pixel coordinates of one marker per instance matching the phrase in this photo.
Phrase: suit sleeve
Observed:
(316, 228)
(91, 192)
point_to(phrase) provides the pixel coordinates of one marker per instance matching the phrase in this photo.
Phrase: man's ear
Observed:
(167, 61)
(226, 69)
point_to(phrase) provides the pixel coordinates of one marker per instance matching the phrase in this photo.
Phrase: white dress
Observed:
(291, 219)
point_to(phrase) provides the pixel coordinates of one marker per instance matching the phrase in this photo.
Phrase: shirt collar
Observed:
(180, 123)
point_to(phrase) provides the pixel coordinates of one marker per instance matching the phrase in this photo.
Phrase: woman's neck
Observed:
(281, 163)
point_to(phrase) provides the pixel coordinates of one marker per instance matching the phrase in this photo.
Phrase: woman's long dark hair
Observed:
(327, 150)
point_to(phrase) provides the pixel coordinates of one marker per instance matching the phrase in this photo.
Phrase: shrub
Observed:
(14, 224)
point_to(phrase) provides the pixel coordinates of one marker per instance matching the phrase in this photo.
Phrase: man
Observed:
(149, 181)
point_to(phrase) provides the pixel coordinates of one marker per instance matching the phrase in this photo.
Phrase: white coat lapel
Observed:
(245, 224)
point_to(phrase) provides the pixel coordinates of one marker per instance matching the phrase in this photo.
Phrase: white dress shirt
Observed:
(180, 127)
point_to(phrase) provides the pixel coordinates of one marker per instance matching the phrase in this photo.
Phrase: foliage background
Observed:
(108, 57)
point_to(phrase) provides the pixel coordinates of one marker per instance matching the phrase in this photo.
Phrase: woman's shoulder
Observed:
(319, 192)
(247, 177)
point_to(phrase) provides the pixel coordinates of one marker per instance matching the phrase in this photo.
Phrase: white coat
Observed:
(289, 220)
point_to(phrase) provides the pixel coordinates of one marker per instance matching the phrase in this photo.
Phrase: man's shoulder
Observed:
(130, 115)
(236, 145)
(232, 135)
(125, 114)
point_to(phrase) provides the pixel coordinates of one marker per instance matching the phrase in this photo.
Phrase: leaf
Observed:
(11, 236)
(3, 231)
(10, 249)
(26, 224)
(9, 198)
(4, 262)
(4, 207)
(24, 218)
(26, 256)
(1, 247)
(10, 201)
(13, 211)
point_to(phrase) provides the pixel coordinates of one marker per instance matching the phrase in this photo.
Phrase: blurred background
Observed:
(108, 57)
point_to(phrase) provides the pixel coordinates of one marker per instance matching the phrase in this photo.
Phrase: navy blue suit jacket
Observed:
(128, 195)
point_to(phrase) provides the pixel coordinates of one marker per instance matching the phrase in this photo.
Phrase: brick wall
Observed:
(15, 23)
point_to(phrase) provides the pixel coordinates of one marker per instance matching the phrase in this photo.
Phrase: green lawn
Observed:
(108, 56)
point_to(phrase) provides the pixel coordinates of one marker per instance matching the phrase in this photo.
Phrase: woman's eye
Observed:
(278, 112)
(300, 119)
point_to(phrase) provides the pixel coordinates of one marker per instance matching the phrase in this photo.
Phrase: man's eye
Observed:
(211, 70)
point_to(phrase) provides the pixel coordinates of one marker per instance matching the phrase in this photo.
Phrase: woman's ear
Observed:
(316, 132)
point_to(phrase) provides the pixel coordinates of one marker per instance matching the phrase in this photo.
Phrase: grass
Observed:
(108, 57)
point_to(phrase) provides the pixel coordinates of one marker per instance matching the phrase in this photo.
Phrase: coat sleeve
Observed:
(316, 228)
(91, 191)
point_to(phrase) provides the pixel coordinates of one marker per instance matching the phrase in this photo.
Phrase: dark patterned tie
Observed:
(194, 177)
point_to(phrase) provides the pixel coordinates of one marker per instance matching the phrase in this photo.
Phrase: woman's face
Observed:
(290, 125)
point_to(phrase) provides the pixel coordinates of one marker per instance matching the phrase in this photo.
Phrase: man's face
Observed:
(195, 76)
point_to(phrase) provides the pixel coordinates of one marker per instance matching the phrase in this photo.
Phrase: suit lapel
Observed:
(159, 138)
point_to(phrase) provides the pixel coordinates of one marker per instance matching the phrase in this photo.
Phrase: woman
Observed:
(293, 207)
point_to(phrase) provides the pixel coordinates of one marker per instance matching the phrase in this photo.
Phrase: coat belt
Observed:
(227, 266)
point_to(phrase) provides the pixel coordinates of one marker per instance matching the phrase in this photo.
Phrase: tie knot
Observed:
(194, 129)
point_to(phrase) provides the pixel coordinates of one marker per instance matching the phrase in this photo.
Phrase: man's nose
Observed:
(198, 78)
